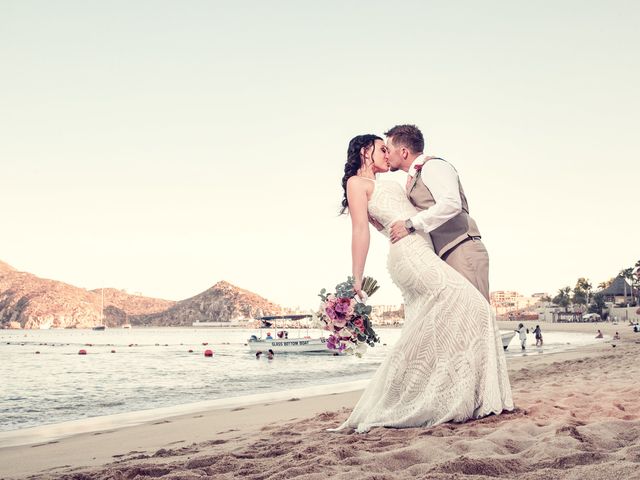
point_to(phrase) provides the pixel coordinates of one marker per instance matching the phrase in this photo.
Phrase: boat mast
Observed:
(102, 308)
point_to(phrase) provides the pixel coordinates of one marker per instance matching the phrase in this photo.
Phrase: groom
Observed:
(434, 188)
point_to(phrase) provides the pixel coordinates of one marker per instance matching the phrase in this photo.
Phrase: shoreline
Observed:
(59, 430)
(231, 428)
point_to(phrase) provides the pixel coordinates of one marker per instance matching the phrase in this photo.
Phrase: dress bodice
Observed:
(389, 203)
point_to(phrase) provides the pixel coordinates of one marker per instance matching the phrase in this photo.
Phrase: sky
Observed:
(162, 146)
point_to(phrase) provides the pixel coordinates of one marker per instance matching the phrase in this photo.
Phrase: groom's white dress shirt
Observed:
(442, 181)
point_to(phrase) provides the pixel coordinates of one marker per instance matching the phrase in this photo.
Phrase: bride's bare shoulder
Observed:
(358, 184)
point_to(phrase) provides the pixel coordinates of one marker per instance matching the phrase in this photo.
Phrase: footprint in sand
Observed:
(216, 442)
(43, 444)
(56, 468)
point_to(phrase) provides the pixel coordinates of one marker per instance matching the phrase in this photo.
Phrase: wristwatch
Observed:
(408, 224)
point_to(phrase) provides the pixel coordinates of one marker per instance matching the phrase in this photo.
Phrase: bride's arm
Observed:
(357, 198)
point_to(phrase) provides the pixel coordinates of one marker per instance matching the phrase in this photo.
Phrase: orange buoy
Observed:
(190, 351)
(208, 353)
(82, 352)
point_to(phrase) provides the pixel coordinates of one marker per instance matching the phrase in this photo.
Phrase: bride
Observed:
(448, 364)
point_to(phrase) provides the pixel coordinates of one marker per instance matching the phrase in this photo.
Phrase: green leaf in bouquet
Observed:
(362, 310)
(345, 289)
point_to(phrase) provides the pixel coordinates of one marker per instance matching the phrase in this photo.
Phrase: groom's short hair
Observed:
(408, 136)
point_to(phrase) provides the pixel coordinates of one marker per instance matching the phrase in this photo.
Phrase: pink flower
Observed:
(342, 305)
(339, 323)
(359, 324)
(334, 343)
(331, 313)
(352, 308)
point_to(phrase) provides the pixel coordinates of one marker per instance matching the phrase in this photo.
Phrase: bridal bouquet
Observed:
(347, 317)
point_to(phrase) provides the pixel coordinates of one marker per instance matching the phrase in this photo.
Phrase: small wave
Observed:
(110, 404)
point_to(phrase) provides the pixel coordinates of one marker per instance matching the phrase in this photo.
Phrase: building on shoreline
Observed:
(507, 303)
(387, 314)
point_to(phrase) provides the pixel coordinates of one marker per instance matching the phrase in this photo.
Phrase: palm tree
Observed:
(563, 298)
(606, 283)
(585, 286)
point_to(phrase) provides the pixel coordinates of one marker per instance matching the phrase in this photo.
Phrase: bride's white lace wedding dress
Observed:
(448, 364)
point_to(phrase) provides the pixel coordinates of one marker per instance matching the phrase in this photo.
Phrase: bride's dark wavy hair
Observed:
(354, 161)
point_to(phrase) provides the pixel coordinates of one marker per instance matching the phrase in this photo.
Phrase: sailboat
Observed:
(102, 325)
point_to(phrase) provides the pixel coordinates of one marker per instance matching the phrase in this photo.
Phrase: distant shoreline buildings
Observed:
(508, 301)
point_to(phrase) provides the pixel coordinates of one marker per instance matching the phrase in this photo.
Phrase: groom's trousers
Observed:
(471, 260)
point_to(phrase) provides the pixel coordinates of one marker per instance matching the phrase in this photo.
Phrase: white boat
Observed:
(506, 338)
(284, 344)
(289, 345)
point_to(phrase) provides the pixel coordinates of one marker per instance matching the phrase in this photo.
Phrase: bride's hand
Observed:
(357, 287)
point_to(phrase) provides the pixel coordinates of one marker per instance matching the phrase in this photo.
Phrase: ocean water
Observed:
(152, 368)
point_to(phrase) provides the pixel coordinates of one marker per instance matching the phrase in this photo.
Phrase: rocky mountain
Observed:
(28, 301)
(221, 303)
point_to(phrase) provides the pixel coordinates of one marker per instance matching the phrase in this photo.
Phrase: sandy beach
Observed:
(577, 417)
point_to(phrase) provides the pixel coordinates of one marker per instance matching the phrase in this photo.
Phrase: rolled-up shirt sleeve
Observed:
(442, 180)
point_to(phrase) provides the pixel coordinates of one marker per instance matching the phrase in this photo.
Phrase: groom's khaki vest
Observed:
(454, 231)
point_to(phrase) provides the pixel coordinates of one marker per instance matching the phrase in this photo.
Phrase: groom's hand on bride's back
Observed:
(398, 231)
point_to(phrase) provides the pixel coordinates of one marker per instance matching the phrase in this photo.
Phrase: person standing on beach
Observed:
(434, 188)
(538, 333)
(433, 374)
(522, 332)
